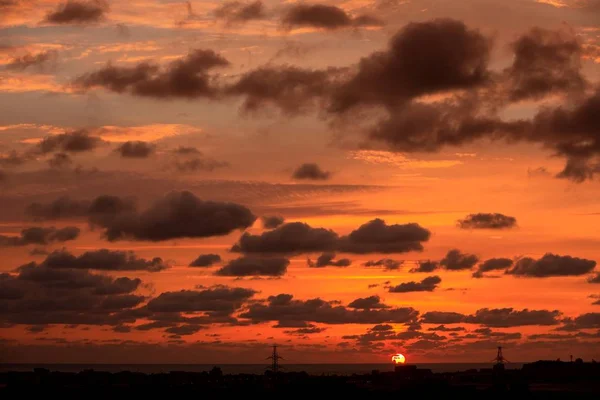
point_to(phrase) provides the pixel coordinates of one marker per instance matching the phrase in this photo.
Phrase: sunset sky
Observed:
(195, 181)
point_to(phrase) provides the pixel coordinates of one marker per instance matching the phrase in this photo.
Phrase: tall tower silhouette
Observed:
(275, 360)
(499, 357)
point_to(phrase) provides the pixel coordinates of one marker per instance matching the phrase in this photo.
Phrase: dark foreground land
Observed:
(540, 380)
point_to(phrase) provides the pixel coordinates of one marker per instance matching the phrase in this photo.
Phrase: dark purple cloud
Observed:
(487, 221)
(78, 12)
(552, 265)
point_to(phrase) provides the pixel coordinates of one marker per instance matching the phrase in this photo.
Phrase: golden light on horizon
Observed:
(398, 359)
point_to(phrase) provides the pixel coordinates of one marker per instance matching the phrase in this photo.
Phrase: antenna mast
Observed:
(499, 357)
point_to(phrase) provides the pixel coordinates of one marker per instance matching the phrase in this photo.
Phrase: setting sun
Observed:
(398, 359)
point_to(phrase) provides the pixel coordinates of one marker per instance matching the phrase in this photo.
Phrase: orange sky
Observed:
(249, 154)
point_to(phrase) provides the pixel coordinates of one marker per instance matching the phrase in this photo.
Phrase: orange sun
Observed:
(398, 359)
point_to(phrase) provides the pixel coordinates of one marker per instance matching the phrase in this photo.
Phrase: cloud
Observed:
(425, 267)
(71, 142)
(237, 12)
(442, 317)
(457, 261)
(497, 317)
(428, 284)
(31, 60)
(176, 215)
(183, 330)
(103, 260)
(487, 221)
(285, 309)
(255, 266)
(545, 62)
(587, 321)
(67, 208)
(40, 295)
(272, 221)
(443, 328)
(40, 236)
(324, 17)
(373, 237)
(423, 57)
(186, 77)
(552, 265)
(326, 259)
(508, 317)
(293, 90)
(493, 264)
(136, 149)
(312, 172)
(216, 300)
(309, 330)
(292, 237)
(199, 164)
(78, 12)
(13, 159)
(206, 260)
(594, 278)
(368, 303)
(60, 161)
(187, 151)
(377, 237)
(386, 263)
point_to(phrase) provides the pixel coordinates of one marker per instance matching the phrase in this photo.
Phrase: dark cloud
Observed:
(71, 142)
(199, 164)
(292, 237)
(594, 278)
(206, 260)
(272, 221)
(217, 300)
(237, 12)
(176, 215)
(377, 237)
(324, 17)
(498, 317)
(425, 267)
(136, 149)
(373, 237)
(368, 303)
(285, 309)
(428, 284)
(312, 172)
(508, 317)
(423, 57)
(67, 208)
(386, 263)
(293, 90)
(40, 236)
(255, 266)
(442, 317)
(457, 261)
(60, 161)
(545, 62)
(487, 221)
(309, 330)
(327, 259)
(104, 260)
(184, 78)
(187, 151)
(552, 265)
(587, 321)
(183, 330)
(3, 176)
(40, 295)
(443, 328)
(78, 12)
(493, 264)
(31, 60)
(13, 159)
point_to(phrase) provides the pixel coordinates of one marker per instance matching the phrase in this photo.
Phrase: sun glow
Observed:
(398, 359)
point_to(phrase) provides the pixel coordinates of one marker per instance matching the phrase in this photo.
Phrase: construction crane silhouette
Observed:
(275, 367)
